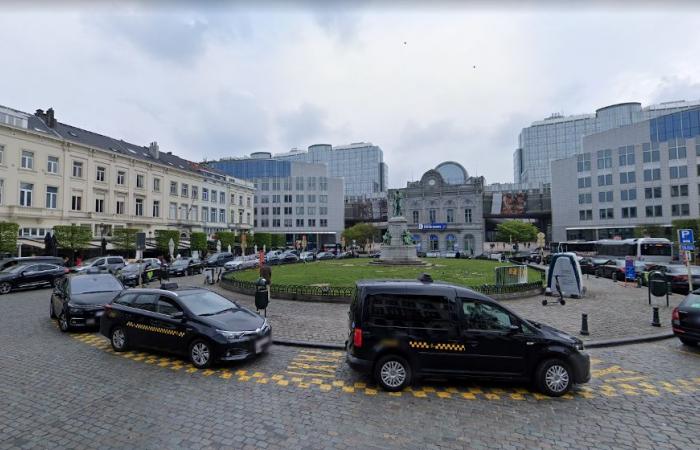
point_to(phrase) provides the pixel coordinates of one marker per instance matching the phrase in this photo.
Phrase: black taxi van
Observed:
(403, 330)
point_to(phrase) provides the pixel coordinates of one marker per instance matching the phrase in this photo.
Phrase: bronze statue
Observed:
(386, 238)
(407, 238)
(397, 204)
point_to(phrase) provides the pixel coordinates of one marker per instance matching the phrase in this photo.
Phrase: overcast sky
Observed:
(427, 85)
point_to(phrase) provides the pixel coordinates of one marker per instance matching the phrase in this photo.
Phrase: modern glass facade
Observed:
(249, 169)
(559, 137)
(361, 165)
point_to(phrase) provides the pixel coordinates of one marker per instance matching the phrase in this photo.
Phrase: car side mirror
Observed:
(513, 329)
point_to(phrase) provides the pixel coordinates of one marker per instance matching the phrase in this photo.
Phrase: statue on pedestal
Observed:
(386, 239)
(397, 197)
(406, 237)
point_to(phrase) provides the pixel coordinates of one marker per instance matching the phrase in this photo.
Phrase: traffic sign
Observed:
(685, 236)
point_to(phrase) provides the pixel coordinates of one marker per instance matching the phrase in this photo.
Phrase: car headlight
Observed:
(233, 336)
(579, 346)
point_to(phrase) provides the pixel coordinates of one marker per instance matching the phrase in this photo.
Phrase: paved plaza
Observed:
(71, 391)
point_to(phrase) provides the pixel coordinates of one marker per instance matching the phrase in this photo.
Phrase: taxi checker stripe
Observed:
(155, 329)
(438, 346)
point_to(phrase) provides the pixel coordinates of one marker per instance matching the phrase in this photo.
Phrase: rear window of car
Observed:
(114, 260)
(409, 311)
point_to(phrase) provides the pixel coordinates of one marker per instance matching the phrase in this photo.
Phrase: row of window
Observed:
(287, 223)
(27, 161)
(630, 212)
(287, 198)
(285, 184)
(449, 216)
(287, 210)
(626, 155)
(677, 190)
(675, 172)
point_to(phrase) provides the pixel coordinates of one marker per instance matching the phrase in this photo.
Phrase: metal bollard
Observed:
(639, 282)
(655, 318)
(614, 277)
(584, 325)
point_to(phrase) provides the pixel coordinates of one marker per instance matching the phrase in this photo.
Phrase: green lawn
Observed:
(467, 272)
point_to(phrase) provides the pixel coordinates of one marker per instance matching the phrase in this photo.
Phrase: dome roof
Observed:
(452, 172)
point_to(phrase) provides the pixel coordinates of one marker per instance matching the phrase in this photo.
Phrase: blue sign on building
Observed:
(432, 226)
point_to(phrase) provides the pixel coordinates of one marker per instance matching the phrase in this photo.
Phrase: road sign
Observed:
(685, 236)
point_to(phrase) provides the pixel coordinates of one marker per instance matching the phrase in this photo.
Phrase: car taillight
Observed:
(357, 338)
(680, 278)
(675, 315)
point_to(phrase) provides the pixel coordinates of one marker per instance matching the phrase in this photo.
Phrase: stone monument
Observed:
(398, 247)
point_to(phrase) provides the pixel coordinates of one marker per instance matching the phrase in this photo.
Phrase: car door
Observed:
(138, 319)
(47, 272)
(58, 296)
(171, 332)
(493, 340)
(29, 276)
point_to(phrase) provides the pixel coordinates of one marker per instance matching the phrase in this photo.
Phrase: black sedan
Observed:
(79, 301)
(685, 319)
(30, 275)
(185, 266)
(149, 270)
(194, 322)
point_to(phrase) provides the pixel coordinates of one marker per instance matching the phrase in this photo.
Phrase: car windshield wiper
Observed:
(218, 312)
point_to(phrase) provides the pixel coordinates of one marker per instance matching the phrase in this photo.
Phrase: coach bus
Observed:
(641, 249)
(581, 248)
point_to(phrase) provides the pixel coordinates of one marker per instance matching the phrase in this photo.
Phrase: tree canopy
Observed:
(8, 236)
(72, 237)
(360, 233)
(516, 231)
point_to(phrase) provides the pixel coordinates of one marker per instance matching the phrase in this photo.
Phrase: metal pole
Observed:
(690, 275)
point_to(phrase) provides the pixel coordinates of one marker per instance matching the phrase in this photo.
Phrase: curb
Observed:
(628, 341)
(593, 344)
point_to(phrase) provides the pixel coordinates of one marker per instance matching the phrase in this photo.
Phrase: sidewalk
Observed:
(614, 312)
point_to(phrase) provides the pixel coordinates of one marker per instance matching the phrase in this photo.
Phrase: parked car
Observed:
(590, 265)
(616, 268)
(78, 301)
(307, 256)
(466, 334)
(675, 274)
(375, 254)
(288, 258)
(185, 266)
(9, 262)
(243, 262)
(219, 259)
(139, 272)
(685, 319)
(325, 255)
(30, 275)
(110, 264)
(194, 322)
(344, 255)
(273, 257)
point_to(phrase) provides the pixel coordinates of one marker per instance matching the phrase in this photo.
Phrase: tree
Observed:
(360, 233)
(278, 241)
(72, 237)
(649, 230)
(8, 237)
(516, 231)
(125, 239)
(227, 238)
(262, 239)
(163, 240)
(198, 242)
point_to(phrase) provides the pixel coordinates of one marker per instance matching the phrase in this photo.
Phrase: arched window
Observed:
(434, 243)
(450, 241)
(469, 244)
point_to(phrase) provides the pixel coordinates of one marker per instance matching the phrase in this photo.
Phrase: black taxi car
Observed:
(190, 321)
(77, 301)
(402, 330)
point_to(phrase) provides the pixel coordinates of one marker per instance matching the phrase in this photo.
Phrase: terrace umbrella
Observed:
(218, 246)
(48, 245)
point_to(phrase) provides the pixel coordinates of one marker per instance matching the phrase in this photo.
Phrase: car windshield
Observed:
(214, 257)
(180, 262)
(206, 303)
(86, 284)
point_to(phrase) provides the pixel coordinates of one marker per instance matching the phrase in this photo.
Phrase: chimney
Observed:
(40, 114)
(50, 120)
(153, 150)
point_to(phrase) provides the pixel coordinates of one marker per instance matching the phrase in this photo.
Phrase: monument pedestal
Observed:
(397, 252)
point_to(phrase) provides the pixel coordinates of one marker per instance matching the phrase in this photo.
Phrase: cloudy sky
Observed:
(452, 82)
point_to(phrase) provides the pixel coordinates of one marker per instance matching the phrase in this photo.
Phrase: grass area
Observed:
(466, 272)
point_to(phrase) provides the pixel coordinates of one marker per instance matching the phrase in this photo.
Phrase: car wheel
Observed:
(200, 354)
(688, 342)
(118, 339)
(5, 288)
(63, 323)
(51, 313)
(553, 378)
(393, 373)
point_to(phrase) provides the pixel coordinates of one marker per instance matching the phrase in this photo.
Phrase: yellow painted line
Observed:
(625, 379)
(468, 396)
(325, 387)
(261, 380)
(208, 372)
(282, 382)
(310, 374)
(243, 378)
(517, 396)
(225, 375)
(419, 394)
(348, 389)
(338, 383)
(395, 394)
(359, 385)
(492, 396)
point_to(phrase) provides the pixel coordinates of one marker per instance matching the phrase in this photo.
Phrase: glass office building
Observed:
(361, 165)
(560, 136)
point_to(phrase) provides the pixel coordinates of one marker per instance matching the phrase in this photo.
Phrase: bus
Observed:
(641, 249)
(581, 248)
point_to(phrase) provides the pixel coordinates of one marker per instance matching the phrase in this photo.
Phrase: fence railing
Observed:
(349, 292)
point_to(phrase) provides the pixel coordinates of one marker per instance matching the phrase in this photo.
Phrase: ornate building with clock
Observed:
(445, 211)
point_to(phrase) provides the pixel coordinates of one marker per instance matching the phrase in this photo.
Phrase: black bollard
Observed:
(614, 277)
(639, 282)
(584, 325)
(655, 318)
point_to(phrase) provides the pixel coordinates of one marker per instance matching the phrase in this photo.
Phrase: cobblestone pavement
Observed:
(71, 391)
(615, 310)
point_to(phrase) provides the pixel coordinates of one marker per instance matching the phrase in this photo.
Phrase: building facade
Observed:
(559, 137)
(647, 173)
(361, 165)
(444, 210)
(297, 199)
(53, 174)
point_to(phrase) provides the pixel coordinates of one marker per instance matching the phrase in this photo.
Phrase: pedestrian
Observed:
(65, 261)
(79, 260)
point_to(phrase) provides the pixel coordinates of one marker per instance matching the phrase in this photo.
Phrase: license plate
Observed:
(98, 313)
(90, 322)
(261, 344)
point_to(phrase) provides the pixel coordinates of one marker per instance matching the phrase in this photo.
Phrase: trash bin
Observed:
(261, 294)
(164, 275)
